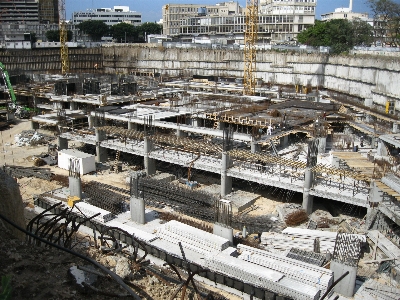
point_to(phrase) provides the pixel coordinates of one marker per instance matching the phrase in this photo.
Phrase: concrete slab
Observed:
(241, 200)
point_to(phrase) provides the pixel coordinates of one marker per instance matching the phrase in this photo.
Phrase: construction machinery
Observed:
(8, 85)
(250, 40)
(63, 38)
(19, 111)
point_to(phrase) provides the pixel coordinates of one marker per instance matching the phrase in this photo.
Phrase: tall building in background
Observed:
(174, 14)
(278, 20)
(109, 16)
(48, 12)
(19, 11)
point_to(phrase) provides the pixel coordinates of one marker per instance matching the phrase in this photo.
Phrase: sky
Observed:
(151, 9)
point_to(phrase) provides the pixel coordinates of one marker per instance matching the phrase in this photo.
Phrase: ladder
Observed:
(273, 147)
(116, 162)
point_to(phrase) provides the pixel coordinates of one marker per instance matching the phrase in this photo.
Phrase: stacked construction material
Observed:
(192, 238)
(317, 277)
(260, 276)
(88, 210)
(302, 239)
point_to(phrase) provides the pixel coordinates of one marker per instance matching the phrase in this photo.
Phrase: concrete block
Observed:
(223, 231)
(347, 285)
(62, 143)
(238, 285)
(269, 296)
(219, 278)
(192, 238)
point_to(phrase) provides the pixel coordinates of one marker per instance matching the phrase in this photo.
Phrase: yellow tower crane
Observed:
(63, 38)
(250, 40)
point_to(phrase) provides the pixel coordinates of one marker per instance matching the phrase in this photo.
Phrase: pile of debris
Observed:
(292, 214)
(31, 137)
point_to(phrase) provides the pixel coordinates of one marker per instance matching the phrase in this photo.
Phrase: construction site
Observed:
(204, 172)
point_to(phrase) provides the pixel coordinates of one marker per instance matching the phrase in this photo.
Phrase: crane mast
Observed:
(250, 40)
(63, 38)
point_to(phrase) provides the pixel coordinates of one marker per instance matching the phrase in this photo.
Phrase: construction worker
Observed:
(269, 130)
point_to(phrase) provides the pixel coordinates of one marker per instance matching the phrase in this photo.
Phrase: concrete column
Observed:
(255, 147)
(321, 145)
(335, 162)
(11, 117)
(101, 152)
(137, 207)
(307, 198)
(371, 216)
(180, 133)
(374, 142)
(226, 181)
(381, 150)
(195, 122)
(73, 105)
(34, 125)
(62, 143)
(132, 125)
(90, 121)
(284, 141)
(149, 163)
(395, 127)
(75, 187)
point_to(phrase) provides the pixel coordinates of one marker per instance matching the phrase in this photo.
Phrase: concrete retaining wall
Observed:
(365, 76)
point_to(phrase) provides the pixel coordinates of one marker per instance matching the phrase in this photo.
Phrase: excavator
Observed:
(19, 111)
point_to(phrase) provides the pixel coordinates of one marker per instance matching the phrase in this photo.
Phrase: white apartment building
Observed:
(346, 13)
(279, 20)
(110, 16)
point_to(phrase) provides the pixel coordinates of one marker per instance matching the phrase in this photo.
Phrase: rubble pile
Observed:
(31, 137)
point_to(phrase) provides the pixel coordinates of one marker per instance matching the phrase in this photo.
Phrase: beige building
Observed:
(278, 20)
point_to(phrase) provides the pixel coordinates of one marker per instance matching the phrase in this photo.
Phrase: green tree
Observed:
(95, 29)
(339, 34)
(386, 20)
(149, 28)
(121, 31)
(54, 35)
(362, 33)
